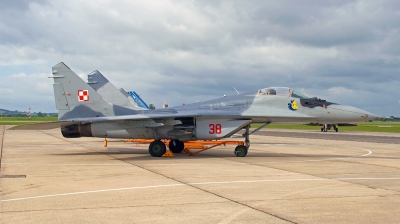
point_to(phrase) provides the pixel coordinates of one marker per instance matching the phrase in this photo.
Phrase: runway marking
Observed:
(198, 183)
(369, 152)
(295, 180)
(94, 191)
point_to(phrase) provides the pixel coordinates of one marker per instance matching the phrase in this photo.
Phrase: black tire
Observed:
(157, 148)
(240, 151)
(337, 129)
(177, 147)
(322, 129)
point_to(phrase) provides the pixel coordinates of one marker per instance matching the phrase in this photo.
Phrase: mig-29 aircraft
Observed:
(85, 113)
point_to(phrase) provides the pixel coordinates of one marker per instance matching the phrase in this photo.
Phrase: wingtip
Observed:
(60, 64)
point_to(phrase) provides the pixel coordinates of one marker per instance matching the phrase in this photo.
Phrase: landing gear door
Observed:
(209, 129)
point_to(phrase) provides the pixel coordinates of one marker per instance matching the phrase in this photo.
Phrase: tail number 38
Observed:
(215, 129)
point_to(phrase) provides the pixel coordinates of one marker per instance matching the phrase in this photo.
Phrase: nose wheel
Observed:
(240, 151)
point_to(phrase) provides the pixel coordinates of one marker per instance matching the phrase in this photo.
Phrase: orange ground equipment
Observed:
(105, 142)
(206, 145)
(202, 145)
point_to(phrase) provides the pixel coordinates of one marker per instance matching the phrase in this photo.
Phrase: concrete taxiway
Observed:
(285, 178)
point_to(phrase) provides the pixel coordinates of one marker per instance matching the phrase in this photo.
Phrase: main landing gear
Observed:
(157, 148)
(176, 146)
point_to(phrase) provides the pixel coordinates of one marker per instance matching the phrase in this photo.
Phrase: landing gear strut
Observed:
(327, 127)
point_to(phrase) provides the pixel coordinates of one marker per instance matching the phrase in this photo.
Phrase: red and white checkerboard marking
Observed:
(83, 95)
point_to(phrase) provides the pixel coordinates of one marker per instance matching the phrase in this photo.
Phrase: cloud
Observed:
(21, 91)
(183, 51)
(339, 90)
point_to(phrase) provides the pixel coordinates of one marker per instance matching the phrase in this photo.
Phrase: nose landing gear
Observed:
(327, 127)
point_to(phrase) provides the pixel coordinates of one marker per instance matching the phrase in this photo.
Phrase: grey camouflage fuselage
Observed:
(92, 114)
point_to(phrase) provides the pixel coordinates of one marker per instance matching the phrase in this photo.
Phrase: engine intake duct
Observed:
(77, 131)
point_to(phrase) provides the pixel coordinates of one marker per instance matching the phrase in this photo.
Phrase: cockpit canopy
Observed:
(282, 91)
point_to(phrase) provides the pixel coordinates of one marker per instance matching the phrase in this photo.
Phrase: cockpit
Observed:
(282, 91)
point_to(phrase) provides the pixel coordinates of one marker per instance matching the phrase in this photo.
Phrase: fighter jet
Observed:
(84, 113)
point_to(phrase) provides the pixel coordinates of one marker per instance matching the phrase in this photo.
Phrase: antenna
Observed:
(236, 90)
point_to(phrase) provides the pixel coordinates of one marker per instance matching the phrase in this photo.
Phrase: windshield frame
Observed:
(282, 91)
(297, 94)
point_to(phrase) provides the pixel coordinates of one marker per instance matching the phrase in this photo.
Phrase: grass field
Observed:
(24, 120)
(376, 126)
(363, 126)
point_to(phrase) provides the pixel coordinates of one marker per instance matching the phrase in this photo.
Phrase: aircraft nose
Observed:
(354, 113)
(371, 116)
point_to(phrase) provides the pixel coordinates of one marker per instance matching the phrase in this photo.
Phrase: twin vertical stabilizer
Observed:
(110, 93)
(74, 98)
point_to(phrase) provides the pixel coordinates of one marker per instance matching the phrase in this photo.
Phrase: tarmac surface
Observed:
(287, 177)
(331, 135)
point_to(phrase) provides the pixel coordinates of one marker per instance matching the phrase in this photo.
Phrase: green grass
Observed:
(24, 120)
(375, 126)
(363, 126)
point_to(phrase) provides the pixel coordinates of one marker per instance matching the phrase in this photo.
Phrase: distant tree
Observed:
(40, 114)
(152, 107)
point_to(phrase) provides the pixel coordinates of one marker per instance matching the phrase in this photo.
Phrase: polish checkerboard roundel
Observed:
(83, 95)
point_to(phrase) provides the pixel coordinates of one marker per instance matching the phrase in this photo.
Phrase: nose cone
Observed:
(352, 114)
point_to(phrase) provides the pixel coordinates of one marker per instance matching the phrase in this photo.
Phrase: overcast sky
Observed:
(181, 51)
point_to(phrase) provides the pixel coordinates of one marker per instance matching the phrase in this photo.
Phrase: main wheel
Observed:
(240, 151)
(157, 148)
(337, 129)
(176, 146)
